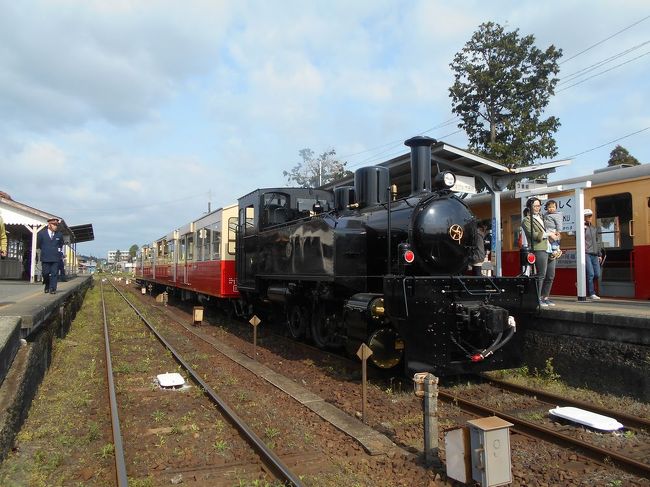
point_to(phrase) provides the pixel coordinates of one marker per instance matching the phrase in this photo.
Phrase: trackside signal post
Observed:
(426, 386)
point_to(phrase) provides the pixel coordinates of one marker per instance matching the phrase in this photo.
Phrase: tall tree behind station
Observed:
(313, 172)
(502, 85)
(620, 155)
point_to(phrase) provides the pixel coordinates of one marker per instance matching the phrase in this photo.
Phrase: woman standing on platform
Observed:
(538, 239)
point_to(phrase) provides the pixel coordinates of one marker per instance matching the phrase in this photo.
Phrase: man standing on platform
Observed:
(50, 240)
(593, 257)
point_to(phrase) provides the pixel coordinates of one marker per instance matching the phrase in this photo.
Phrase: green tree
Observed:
(502, 85)
(132, 251)
(620, 155)
(313, 172)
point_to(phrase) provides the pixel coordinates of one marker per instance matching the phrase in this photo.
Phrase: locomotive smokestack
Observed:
(420, 163)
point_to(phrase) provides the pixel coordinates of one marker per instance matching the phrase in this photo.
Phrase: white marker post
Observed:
(254, 321)
(364, 354)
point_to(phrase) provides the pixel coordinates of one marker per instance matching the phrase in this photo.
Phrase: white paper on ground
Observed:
(593, 420)
(170, 379)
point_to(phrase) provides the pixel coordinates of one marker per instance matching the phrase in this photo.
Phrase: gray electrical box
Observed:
(490, 446)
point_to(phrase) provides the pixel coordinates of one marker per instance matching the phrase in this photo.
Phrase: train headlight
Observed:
(449, 179)
(444, 180)
(409, 256)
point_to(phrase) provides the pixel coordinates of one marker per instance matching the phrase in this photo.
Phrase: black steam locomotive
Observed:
(358, 266)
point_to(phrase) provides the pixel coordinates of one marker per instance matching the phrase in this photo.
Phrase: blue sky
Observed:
(132, 115)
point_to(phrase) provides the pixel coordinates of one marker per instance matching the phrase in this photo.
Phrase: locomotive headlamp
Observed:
(409, 256)
(444, 180)
(449, 179)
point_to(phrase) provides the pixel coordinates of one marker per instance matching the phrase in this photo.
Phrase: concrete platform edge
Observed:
(9, 342)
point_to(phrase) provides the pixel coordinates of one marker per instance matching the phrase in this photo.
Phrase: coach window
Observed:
(275, 209)
(232, 234)
(190, 246)
(182, 249)
(206, 235)
(171, 249)
(198, 238)
(249, 224)
(216, 241)
(199, 245)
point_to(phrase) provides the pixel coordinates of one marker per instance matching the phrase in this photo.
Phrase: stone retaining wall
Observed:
(605, 366)
(29, 367)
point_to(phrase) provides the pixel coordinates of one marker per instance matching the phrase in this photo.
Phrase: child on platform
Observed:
(553, 223)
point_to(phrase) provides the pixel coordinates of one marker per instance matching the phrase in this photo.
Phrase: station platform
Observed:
(617, 320)
(24, 308)
(33, 306)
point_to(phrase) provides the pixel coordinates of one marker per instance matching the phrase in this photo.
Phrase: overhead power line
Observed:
(388, 156)
(606, 39)
(583, 71)
(390, 145)
(606, 143)
(603, 72)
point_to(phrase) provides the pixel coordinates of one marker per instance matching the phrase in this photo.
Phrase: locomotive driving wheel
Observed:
(323, 327)
(296, 321)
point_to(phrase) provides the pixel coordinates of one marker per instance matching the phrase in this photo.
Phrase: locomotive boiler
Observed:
(358, 265)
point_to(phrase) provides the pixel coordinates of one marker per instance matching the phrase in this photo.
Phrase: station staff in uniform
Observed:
(50, 240)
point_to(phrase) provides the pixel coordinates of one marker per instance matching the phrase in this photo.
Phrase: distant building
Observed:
(112, 254)
(87, 266)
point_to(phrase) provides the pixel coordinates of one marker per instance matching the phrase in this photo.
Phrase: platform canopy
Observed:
(496, 177)
(83, 233)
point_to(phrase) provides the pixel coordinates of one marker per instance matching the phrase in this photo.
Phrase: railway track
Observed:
(272, 464)
(605, 458)
(628, 420)
(589, 443)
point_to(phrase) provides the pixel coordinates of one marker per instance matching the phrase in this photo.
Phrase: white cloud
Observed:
(128, 113)
(42, 158)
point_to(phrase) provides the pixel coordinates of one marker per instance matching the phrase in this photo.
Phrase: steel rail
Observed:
(120, 464)
(629, 420)
(265, 452)
(531, 429)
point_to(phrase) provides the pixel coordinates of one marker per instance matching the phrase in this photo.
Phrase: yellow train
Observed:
(620, 199)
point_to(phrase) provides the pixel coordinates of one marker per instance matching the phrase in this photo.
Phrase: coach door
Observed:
(614, 214)
(246, 254)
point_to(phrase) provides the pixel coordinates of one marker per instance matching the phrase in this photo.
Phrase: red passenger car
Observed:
(196, 259)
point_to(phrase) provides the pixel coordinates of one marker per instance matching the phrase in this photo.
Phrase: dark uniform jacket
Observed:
(49, 246)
